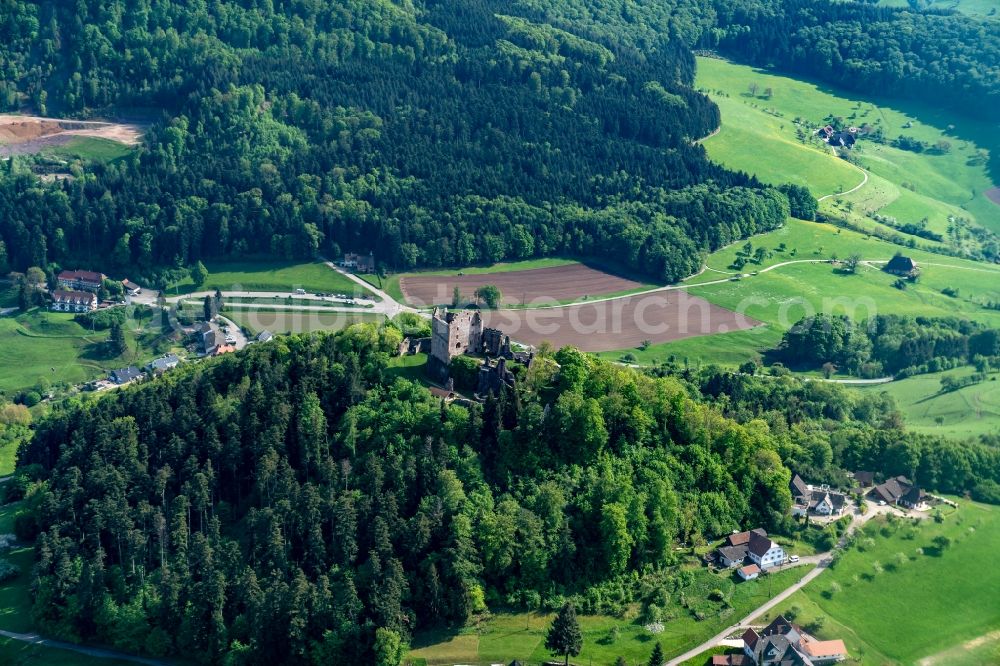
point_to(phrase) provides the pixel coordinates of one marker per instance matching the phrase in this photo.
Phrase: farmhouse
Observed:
(81, 280)
(900, 491)
(360, 262)
(782, 643)
(73, 301)
(816, 500)
(903, 266)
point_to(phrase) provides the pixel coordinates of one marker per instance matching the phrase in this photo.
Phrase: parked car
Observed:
(793, 558)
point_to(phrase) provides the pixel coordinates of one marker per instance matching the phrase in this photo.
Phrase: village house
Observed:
(208, 338)
(264, 336)
(131, 288)
(362, 263)
(864, 479)
(900, 491)
(125, 375)
(730, 660)
(782, 643)
(73, 301)
(81, 280)
(160, 365)
(749, 572)
(902, 266)
(764, 552)
(816, 500)
(754, 547)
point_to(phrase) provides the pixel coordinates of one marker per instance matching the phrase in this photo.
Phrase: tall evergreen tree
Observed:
(564, 635)
(657, 658)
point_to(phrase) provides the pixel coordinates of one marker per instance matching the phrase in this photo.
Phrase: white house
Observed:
(749, 572)
(73, 301)
(765, 553)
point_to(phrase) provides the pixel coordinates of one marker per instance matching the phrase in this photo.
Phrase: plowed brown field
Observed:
(534, 286)
(619, 323)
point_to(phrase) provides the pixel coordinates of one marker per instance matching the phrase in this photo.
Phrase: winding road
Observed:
(99, 653)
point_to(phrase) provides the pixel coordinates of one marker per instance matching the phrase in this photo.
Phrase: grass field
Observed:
(759, 135)
(51, 346)
(271, 276)
(924, 601)
(967, 412)
(283, 321)
(90, 148)
(507, 636)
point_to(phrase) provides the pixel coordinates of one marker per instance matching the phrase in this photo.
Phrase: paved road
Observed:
(99, 653)
(392, 307)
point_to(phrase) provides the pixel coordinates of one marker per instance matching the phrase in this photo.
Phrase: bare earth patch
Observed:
(620, 323)
(558, 283)
(24, 135)
(993, 194)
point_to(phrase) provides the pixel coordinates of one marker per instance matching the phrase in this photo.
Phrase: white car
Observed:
(881, 502)
(793, 558)
(230, 340)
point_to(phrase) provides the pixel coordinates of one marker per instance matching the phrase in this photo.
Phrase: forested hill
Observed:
(295, 504)
(444, 132)
(942, 58)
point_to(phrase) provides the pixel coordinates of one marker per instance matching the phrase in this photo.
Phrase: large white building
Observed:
(764, 552)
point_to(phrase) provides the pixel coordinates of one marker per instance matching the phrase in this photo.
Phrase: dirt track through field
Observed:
(24, 135)
(550, 285)
(619, 323)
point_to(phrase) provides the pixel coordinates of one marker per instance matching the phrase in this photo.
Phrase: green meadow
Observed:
(966, 412)
(284, 321)
(759, 135)
(90, 149)
(905, 598)
(502, 637)
(281, 276)
(52, 349)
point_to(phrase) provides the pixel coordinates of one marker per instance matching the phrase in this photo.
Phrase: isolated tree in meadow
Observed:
(199, 274)
(753, 88)
(851, 263)
(490, 295)
(564, 635)
(620, 661)
(768, 92)
(657, 658)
